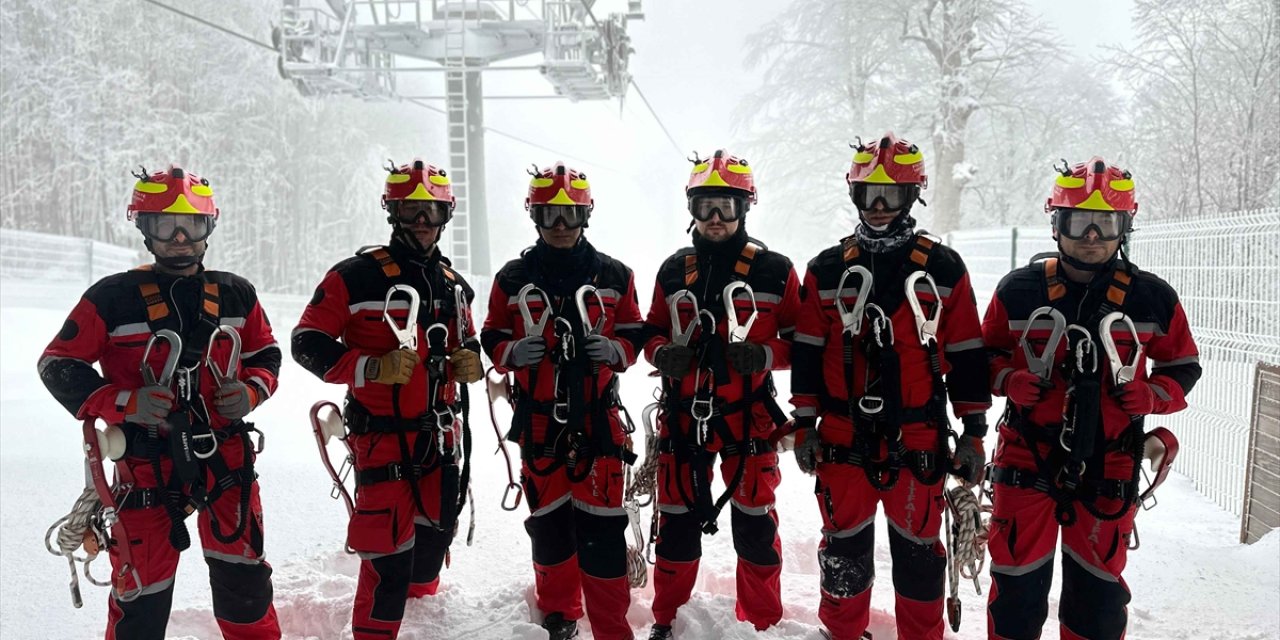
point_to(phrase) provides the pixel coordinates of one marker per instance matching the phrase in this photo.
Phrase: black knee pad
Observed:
(241, 592)
(145, 617)
(552, 535)
(918, 570)
(429, 547)
(753, 538)
(602, 544)
(679, 537)
(1090, 606)
(1022, 603)
(848, 564)
(392, 589)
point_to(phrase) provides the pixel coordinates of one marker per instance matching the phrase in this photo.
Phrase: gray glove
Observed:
(808, 444)
(673, 360)
(527, 351)
(149, 405)
(603, 350)
(969, 460)
(234, 400)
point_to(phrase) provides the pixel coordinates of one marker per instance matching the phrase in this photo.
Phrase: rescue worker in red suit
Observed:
(1088, 492)
(727, 383)
(566, 403)
(871, 378)
(402, 415)
(112, 326)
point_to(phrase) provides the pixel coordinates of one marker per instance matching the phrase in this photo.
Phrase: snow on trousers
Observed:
(755, 539)
(846, 554)
(578, 534)
(239, 576)
(401, 551)
(1094, 595)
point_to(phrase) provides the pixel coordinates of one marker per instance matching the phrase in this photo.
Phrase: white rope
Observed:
(966, 539)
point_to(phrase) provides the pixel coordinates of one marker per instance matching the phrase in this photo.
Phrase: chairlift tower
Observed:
(357, 48)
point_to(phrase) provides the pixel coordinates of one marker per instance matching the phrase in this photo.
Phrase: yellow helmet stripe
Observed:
(420, 193)
(579, 184)
(1069, 182)
(700, 167)
(151, 187)
(862, 157)
(439, 180)
(538, 183)
(397, 178)
(738, 168)
(561, 198)
(714, 180)
(909, 158)
(1122, 185)
(202, 190)
(879, 176)
(181, 205)
(1096, 202)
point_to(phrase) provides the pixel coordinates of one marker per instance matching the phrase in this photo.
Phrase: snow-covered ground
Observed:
(1190, 578)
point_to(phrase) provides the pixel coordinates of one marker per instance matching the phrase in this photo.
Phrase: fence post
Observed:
(1013, 250)
(89, 253)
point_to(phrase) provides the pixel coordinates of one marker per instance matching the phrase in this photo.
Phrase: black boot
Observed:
(660, 632)
(558, 628)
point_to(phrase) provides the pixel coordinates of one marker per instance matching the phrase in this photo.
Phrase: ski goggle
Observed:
(547, 215)
(430, 213)
(165, 226)
(1076, 223)
(703, 208)
(893, 197)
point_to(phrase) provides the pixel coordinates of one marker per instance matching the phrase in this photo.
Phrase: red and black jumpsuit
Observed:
(1025, 525)
(742, 414)
(111, 326)
(896, 456)
(406, 438)
(572, 470)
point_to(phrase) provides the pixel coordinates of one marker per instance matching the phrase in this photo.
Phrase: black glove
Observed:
(673, 360)
(746, 357)
(527, 351)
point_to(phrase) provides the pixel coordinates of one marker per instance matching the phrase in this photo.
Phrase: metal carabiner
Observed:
(926, 326)
(170, 362)
(1042, 365)
(224, 376)
(682, 335)
(738, 332)
(851, 319)
(1122, 373)
(580, 298)
(881, 326)
(1083, 349)
(532, 328)
(407, 335)
(459, 305)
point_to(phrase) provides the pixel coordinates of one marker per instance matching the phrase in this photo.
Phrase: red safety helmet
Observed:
(889, 160)
(559, 185)
(722, 173)
(1093, 185)
(417, 181)
(172, 191)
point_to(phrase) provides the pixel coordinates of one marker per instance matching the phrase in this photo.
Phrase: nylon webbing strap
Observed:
(690, 269)
(748, 255)
(1054, 285)
(388, 264)
(156, 307)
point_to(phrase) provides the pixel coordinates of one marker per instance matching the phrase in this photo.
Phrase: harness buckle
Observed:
(871, 405)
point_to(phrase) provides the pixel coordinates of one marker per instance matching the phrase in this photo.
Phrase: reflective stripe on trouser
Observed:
(755, 539)
(1024, 532)
(239, 577)
(846, 554)
(578, 535)
(400, 552)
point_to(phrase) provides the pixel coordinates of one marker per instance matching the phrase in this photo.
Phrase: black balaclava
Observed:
(560, 272)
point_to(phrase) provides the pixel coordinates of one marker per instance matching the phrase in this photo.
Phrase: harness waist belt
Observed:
(754, 447)
(906, 415)
(919, 459)
(1025, 479)
(360, 421)
(397, 471)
